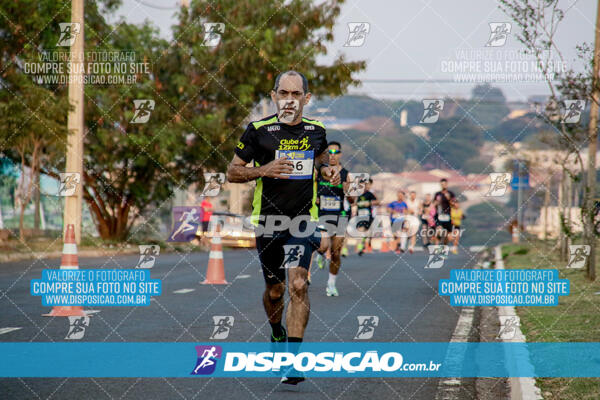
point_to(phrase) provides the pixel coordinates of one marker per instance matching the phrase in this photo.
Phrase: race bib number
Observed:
(302, 161)
(330, 203)
(443, 217)
(364, 211)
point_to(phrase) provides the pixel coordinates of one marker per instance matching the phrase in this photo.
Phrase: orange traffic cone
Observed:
(215, 272)
(69, 260)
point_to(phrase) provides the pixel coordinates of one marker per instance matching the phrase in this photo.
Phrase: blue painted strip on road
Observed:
(181, 359)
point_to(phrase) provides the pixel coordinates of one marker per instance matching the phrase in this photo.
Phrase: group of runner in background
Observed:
(440, 218)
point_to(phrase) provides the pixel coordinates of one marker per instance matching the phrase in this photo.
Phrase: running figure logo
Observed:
(358, 183)
(185, 229)
(77, 327)
(366, 326)
(292, 255)
(223, 324)
(357, 34)
(148, 254)
(499, 32)
(212, 33)
(68, 33)
(207, 359)
(573, 111)
(68, 183)
(213, 183)
(437, 256)
(578, 254)
(499, 183)
(508, 326)
(431, 110)
(143, 109)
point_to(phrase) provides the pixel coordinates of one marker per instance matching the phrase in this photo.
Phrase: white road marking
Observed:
(242, 277)
(182, 291)
(520, 387)
(6, 330)
(88, 312)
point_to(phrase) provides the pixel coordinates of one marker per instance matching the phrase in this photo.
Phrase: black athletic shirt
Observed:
(303, 142)
(364, 204)
(331, 197)
(444, 206)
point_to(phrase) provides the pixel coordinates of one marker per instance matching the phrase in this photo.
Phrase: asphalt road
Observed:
(397, 289)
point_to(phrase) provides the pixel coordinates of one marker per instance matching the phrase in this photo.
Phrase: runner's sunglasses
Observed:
(334, 151)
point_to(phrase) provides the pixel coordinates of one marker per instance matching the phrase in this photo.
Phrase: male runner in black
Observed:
(285, 148)
(364, 205)
(331, 203)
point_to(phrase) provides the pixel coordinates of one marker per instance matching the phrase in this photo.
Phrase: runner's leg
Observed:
(299, 305)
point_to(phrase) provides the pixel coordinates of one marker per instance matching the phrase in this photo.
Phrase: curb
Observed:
(58, 254)
(450, 388)
(521, 388)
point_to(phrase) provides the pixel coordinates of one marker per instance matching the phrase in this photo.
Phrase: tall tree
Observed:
(538, 21)
(203, 95)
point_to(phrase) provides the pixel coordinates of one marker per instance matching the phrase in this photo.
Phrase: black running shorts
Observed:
(282, 251)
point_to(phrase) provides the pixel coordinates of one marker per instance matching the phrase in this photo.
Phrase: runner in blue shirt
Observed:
(398, 210)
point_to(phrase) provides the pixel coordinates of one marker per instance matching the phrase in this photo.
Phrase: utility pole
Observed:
(590, 236)
(72, 212)
(519, 199)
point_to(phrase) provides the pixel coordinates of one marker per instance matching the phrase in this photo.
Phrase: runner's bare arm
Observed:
(346, 184)
(329, 173)
(238, 172)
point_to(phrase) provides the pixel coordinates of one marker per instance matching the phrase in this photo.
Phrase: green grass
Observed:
(575, 319)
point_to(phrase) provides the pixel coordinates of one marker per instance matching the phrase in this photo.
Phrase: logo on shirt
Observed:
(294, 144)
(240, 145)
(273, 128)
(309, 127)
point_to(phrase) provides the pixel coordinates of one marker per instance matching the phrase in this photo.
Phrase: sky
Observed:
(421, 40)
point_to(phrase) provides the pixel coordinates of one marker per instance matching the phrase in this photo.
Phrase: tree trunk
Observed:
(568, 205)
(111, 225)
(546, 205)
(588, 220)
(560, 208)
(36, 198)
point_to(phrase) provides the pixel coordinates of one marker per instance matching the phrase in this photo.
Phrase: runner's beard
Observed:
(288, 110)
